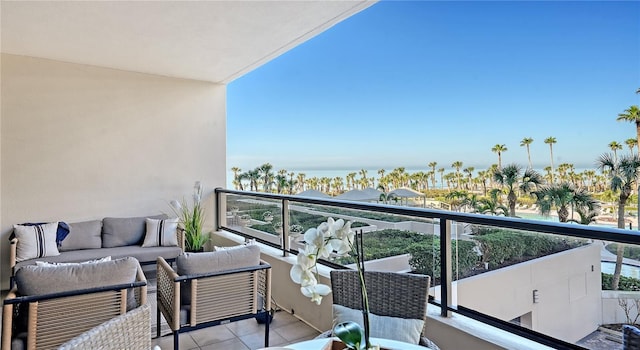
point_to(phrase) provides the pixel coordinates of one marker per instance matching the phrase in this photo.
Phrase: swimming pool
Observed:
(627, 270)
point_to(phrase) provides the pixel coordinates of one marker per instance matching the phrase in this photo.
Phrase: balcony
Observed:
(547, 297)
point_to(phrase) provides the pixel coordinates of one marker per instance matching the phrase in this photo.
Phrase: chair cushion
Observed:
(401, 329)
(40, 280)
(36, 241)
(118, 232)
(200, 263)
(83, 235)
(161, 233)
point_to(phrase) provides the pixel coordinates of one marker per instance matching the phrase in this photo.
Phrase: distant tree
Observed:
(631, 143)
(499, 149)
(433, 165)
(457, 165)
(267, 176)
(441, 171)
(632, 115)
(615, 146)
(550, 141)
(236, 180)
(526, 142)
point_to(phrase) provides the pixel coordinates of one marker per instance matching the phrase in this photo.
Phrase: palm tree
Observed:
(615, 146)
(499, 149)
(253, 176)
(267, 176)
(281, 183)
(622, 176)
(457, 164)
(512, 178)
(631, 143)
(550, 141)
(632, 115)
(351, 180)
(364, 181)
(381, 173)
(300, 178)
(491, 205)
(456, 199)
(469, 172)
(526, 142)
(562, 196)
(441, 171)
(433, 165)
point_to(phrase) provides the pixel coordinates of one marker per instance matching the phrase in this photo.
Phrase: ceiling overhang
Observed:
(215, 41)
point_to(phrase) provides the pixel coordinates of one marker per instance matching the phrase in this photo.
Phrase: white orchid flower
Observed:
(302, 276)
(176, 205)
(316, 292)
(317, 241)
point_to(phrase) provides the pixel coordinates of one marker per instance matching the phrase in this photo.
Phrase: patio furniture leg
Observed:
(266, 330)
(158, 323)
(176, 342)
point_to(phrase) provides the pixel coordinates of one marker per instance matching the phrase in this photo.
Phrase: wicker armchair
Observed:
(129, 331)
(53, 319)
(390, 294)
(216, 298)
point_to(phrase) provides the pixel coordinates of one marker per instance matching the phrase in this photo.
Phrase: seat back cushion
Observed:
(200, 263)
(120, 232)
(83, 235)
(40, 280)
(36, 241)
(401, 329)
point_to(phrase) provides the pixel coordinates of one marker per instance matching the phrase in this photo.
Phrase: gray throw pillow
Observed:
(83, 235)
(199, 263)
(120, 232)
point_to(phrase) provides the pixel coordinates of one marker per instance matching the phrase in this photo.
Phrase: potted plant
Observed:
(267, 216)
(277, 226)
(192, 220)
(244, 219)
(295, 230)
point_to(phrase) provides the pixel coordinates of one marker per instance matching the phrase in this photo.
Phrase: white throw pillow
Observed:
(50, 264)
(401, 329)
(37, 241)
(161, 233)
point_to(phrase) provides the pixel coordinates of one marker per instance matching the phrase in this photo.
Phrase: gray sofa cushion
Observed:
(197, 263)
(119, 232)
(40, 280)
(83, 235)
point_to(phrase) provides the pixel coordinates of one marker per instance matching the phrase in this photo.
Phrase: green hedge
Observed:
(385, 243)
(425, 257)
(500, 247)
(630, 251)
(626, 283)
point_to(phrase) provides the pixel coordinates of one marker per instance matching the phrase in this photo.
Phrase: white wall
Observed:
(80, 142)
(569, 289)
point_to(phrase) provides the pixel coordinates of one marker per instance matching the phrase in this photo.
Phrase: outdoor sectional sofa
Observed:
(109, 237)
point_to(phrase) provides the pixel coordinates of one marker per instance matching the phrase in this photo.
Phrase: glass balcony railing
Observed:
(538, 279)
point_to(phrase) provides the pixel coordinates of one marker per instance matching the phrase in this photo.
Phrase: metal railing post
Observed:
(445, 267)
(285, 227)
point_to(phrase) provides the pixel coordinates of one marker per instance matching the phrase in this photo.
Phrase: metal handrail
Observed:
(445, 218)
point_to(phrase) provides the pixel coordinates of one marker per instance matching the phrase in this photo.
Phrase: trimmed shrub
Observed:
(626, 283)
(425, 257)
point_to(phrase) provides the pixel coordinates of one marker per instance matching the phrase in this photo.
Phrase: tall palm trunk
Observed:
(551, 150)
(622, 201)
(563, 214)
(529, 157)
(511, 198)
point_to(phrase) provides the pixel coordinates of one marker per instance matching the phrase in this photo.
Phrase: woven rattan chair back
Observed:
(390, 294)
(129, 331)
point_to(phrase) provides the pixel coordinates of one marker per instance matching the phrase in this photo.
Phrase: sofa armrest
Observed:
(168, 293)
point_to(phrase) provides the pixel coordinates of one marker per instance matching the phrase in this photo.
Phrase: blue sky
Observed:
(404, 83)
